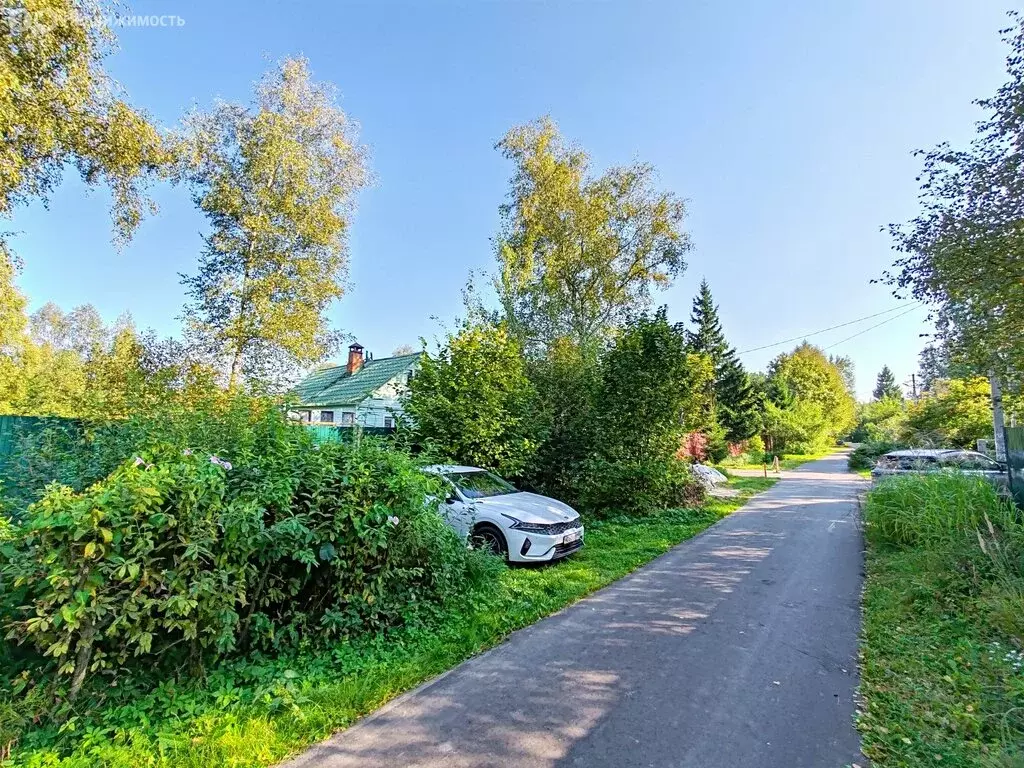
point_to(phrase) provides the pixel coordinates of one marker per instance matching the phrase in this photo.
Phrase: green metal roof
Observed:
(335, 387)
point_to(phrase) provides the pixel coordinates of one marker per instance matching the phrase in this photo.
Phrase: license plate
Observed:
(571, 537)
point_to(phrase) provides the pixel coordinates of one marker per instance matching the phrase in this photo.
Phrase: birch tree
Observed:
(579, 253)
(58, 107)
(277, 183)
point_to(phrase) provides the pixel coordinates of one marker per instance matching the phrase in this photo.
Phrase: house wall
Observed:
(383, 402)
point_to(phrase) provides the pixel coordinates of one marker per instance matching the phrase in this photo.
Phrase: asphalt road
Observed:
(737, 648)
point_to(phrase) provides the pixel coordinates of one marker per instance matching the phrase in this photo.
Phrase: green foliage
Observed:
(865, 455)
(567, 380)
(880, 421)
(734, 406)
(266, 708)
(58, 107)
(472, 401)
(808, 406)
(183, 556)
(942, 628)
(277, 185)
(578, 254)
(912, 510)
(886, 387)
(640, 423)
(961, 251)
(956, 412)
(707, 337)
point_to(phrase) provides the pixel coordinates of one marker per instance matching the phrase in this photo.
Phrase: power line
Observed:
(887, 320)
(831, 328)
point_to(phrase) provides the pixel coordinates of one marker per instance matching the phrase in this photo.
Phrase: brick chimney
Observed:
(355, 358)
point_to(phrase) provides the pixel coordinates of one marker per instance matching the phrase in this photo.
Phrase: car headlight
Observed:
(519, 525)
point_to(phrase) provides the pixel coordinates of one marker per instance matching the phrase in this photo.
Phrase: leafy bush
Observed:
(957, 412)
(182, 557)
(472, 402)
(911, 510)
(640, 487)
(880, 421)
(865, 455)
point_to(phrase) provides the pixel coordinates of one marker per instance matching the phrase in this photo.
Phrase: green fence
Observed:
(324, 433)
(1015, 460)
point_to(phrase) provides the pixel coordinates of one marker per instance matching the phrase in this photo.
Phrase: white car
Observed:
(523, 527)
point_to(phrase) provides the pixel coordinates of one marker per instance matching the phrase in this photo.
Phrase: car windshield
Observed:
(480, 484)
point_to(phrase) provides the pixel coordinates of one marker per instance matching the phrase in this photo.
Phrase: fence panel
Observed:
(1015, 460)
(324, 433)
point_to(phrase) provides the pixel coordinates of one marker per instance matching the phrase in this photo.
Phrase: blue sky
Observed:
(788, 127)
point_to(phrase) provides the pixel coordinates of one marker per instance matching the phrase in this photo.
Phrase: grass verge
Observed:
(258, 712)
(942, 676)
(788, 461)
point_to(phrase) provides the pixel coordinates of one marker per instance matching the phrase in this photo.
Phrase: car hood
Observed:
(529, 507)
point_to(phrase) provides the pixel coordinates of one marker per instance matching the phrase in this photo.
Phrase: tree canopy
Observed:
(808, 404)
(277, 183)
(579, 253)
(961, 254)
(58, 107)
(886, 386)
(471, 401)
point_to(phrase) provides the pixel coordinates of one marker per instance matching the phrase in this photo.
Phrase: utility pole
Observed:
(913, 385)
(997, 416)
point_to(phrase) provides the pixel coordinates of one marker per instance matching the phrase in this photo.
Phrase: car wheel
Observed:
(488, 537)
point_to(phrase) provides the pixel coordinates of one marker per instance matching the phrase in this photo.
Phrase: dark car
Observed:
(920, 460)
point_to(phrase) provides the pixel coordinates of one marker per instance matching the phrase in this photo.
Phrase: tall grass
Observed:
(942, 672)
(926, 509)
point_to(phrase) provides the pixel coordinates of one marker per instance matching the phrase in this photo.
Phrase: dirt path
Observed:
(737, 648)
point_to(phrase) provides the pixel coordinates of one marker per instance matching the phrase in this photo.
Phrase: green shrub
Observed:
(865, 455)
(926, 509)
(180, 557)
(639, 487)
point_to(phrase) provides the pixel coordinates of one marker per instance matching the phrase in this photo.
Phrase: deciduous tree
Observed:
(578, 253)
(277, 183)
(813, 404)
(961, 254)
(471, 401)
(955, 412)
(58, 107)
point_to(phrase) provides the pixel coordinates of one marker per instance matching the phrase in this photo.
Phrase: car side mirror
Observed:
(450, 500)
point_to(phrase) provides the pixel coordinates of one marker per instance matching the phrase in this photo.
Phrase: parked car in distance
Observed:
(916, 461)
(522, 527)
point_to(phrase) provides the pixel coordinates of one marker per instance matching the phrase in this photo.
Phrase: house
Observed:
(366, 391)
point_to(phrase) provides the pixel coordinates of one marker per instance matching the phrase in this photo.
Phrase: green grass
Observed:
(942, 674)
(788, 461)
(256, 713)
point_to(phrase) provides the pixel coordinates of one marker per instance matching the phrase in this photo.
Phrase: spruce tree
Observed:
(733, 396)
(886, 386)
(707, 337)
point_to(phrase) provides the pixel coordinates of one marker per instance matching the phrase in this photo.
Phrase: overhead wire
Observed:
(871, 328)
(833, 327)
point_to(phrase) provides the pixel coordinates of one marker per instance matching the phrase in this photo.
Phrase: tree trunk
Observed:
(82, 659)
(997, 416)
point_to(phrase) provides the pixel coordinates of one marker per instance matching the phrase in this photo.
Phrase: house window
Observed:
(389, 422)
(326, 417)
(348, 419)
